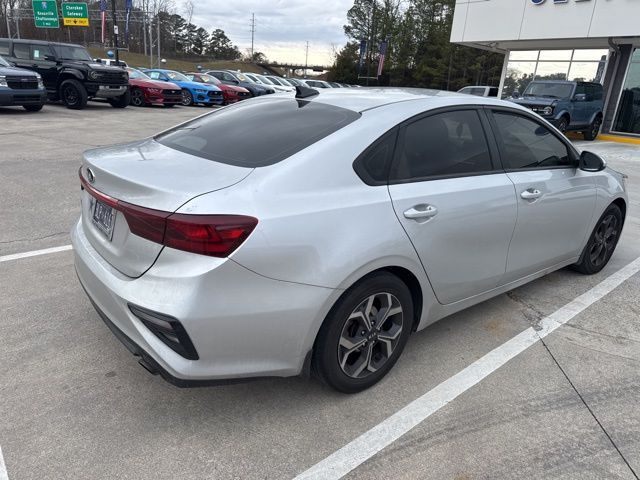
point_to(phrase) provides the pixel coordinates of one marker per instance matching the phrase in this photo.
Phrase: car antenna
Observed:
(305, 92)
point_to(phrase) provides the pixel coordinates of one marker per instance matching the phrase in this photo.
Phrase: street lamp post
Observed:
(115, 31)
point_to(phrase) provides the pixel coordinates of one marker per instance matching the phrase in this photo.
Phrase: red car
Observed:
(231, 93)
(146, 91)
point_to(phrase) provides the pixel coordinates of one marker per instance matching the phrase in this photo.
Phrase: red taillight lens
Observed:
(213, 235)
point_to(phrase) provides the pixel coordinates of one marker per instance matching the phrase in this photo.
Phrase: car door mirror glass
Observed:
(590, 162)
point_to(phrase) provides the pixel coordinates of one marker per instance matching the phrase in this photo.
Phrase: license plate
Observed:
(103, 218)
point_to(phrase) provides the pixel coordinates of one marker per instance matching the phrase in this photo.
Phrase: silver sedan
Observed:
(286, 235)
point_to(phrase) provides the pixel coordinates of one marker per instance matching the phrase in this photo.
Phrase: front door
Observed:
(41, 56)
(556, 200)
(457, 207)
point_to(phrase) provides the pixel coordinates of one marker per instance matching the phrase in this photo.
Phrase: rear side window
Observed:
(528, 145)
(257, 134)
(445, 144)
(372, 166)
(21, 51)
(4, 47)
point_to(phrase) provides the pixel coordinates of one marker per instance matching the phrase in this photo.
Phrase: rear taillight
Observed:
(213, 235)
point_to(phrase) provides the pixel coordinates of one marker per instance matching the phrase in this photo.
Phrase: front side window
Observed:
(444, 144)
(527, 144)
(38, 52)
(4, 47)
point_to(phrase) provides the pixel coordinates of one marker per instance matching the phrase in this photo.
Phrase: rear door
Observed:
(455, 203)
(555, 199)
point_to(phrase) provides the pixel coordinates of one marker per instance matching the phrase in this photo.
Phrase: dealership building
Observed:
(585, 40)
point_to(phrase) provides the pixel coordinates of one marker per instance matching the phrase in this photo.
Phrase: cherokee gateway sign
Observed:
(75, 14)
(45, 13)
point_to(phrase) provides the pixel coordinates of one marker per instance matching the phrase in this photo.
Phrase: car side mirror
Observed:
(50, 58)
(580, 97)
(590, 162)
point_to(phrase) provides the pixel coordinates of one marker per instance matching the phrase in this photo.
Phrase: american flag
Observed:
(383, 54)
(103, 17)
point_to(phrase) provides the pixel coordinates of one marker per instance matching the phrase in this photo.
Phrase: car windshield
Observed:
(550, 90)
(294, 82)
(69, 52)
(252, 79)
(208, 78)
(277, 81)
(241, 77)
(176, 76)
(137, 74)
(258, 134)
(4, 63)
(265, 80)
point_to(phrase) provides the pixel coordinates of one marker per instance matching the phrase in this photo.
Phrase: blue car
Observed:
(576, 106)
(192, 92)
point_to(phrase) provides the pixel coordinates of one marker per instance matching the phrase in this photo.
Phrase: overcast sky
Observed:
(282, 26)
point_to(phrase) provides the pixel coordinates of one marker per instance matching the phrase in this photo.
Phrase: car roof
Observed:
(41, 42)
(368, 98)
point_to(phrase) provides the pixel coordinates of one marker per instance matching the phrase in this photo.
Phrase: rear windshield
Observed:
(257, 134)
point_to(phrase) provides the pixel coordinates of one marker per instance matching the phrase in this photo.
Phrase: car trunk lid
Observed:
(144, 176)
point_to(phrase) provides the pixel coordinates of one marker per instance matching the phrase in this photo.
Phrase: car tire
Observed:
(187, 98)
(73, 94)
(351, 352)
(33, 108)
(563, 124)
(592, 133)
(602, 242)
(122, 101)
(137, 98)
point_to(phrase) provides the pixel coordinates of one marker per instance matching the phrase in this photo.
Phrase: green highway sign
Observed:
(75, 14)
(45, 13)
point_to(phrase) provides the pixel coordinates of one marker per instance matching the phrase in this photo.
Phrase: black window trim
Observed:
(573, 153)
(358, 163)
(496, 164)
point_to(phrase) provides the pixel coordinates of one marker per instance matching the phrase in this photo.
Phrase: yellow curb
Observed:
(619, 138)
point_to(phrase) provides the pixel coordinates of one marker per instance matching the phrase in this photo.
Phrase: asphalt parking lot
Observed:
(74, 404)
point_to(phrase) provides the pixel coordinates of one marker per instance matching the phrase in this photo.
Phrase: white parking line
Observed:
(371, 442)
(34, 253)
(3, 468)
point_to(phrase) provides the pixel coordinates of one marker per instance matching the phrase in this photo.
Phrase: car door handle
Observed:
(418, 212)
(531, 194)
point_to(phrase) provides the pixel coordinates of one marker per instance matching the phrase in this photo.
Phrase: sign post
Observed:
(45, 14)
(75, 14)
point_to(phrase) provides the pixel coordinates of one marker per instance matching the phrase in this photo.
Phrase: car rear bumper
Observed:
(10, 97)
(242, 325)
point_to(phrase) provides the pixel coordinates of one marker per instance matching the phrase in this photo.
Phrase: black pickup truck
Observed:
(21, 87)
(69, 73)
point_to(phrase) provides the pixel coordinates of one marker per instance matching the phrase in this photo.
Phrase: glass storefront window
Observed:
(576, 65)
(587, 71)
(519, 75)
(555, 55)
(552, 70)
(628, 117)
(519, 55)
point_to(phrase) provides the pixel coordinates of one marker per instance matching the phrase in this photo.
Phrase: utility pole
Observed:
(115, 31)
(306, 60)
(253, 31)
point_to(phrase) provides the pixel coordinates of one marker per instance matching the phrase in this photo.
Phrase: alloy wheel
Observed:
(137, 98)
(70, 94)
(187, 99)
(370, 335)
(604, 240)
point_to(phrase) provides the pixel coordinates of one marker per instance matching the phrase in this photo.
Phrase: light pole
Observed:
(115, 31)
